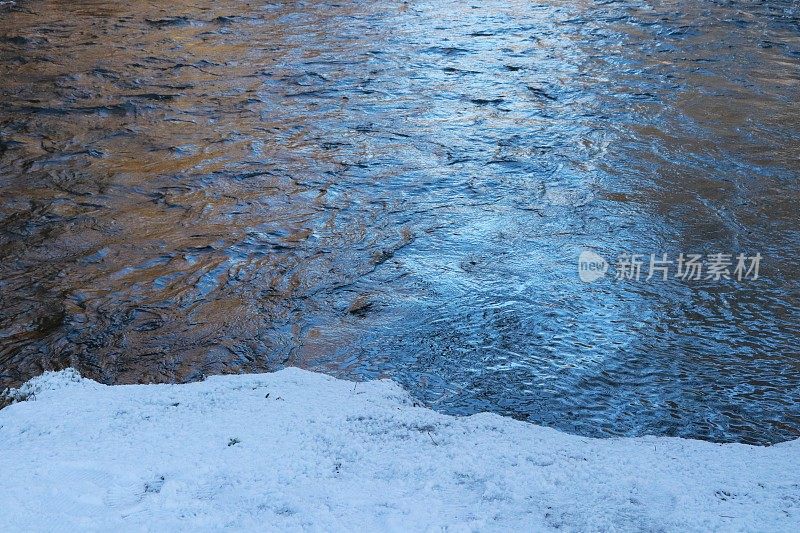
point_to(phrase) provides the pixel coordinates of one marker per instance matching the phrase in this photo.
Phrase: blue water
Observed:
(383, 189)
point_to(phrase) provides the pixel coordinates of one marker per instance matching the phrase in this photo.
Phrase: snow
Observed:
(295, 450)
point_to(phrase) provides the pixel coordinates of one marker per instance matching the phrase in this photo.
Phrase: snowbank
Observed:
(297, 450)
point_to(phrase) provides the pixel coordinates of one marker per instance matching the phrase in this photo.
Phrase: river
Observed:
(402, 189)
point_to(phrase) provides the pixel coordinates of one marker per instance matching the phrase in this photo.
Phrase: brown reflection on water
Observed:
(157, 198)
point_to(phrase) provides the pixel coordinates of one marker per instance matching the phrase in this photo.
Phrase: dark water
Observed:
(386, 188)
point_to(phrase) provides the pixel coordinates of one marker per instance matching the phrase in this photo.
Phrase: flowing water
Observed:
(378, 188)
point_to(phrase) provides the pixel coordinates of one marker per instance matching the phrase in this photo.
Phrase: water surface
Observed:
(402, 189)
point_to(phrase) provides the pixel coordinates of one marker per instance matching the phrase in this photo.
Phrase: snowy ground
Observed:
(297, 450)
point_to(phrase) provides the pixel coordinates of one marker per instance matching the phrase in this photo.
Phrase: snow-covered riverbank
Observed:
(297, 450)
